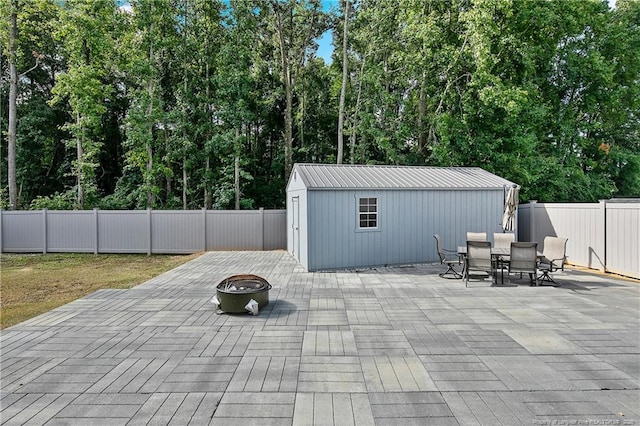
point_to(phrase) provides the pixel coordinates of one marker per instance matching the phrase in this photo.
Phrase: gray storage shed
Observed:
(349, 216)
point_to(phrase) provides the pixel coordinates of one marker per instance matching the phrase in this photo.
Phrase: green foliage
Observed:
(150, 108)
(57, 201)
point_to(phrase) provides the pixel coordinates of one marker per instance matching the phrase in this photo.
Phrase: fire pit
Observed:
(243, 293)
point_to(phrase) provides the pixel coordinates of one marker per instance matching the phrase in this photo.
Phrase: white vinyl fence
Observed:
(604, 235)
(141, 231)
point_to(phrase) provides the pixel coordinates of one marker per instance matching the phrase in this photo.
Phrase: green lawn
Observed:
(31, 284)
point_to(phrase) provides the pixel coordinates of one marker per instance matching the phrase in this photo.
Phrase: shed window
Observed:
(368, 213)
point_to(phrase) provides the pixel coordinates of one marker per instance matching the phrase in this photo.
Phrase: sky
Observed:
(325, 49)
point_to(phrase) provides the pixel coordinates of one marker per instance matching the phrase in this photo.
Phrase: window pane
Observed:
(368, 212)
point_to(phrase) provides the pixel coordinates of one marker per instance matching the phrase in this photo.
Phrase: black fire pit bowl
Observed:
(236, 291)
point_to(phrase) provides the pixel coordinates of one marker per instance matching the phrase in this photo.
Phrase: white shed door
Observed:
(295, 226)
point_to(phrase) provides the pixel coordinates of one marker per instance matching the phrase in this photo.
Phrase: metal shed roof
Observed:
(346, 176)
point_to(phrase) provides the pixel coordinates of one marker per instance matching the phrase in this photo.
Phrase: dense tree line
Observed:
(185, 104)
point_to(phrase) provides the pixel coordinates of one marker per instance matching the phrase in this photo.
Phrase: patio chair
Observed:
(476, 236)
(554, 255)
(523, 259)
(446, 258)
(503, 240)
(478, 258)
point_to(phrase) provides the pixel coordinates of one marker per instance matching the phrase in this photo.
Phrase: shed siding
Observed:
(407, 221)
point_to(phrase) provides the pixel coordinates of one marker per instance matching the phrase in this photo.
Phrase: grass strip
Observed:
(31, 284)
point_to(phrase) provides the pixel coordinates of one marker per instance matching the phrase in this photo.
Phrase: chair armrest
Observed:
(553, 264)
(560, 261)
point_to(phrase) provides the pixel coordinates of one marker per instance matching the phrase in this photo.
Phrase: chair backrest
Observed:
(503, 240)
(479, 255)
(439, 247)
(523, 257)
(476, 236)
(555, 249)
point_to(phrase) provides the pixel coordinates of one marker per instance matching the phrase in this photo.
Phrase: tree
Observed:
(297, 23)
(14, 9)
(189, 103)
(87, 31)
(13, 94)
(149, 49)
(343, 88)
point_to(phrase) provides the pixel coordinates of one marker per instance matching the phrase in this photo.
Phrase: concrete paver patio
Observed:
(383, 346)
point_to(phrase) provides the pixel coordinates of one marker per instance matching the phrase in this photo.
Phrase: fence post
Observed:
(603, 220)
(0, 231)
(44, 231)
(204, 229)
(149, 230)
(97, 230)
(262, 228)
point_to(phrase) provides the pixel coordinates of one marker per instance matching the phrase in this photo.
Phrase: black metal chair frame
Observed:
(449, 263)
(549, 266)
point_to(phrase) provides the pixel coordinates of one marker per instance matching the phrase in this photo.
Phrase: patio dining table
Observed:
(496, 253)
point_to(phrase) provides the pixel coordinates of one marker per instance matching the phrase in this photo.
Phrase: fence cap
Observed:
(624, 200)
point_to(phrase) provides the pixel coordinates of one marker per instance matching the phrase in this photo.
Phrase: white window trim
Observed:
(358, 213)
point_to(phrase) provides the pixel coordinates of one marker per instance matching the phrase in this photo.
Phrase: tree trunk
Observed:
(80, 165)
(13, 96)
(354, 121)
(184, 180)
(302, 110)
(288, 128)
(422, 110)
(207, 163)
(288, 87)
(343, 90)
(236, 181)
(207, 194)
(236, 169)
(149, 179)
(168, 186)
